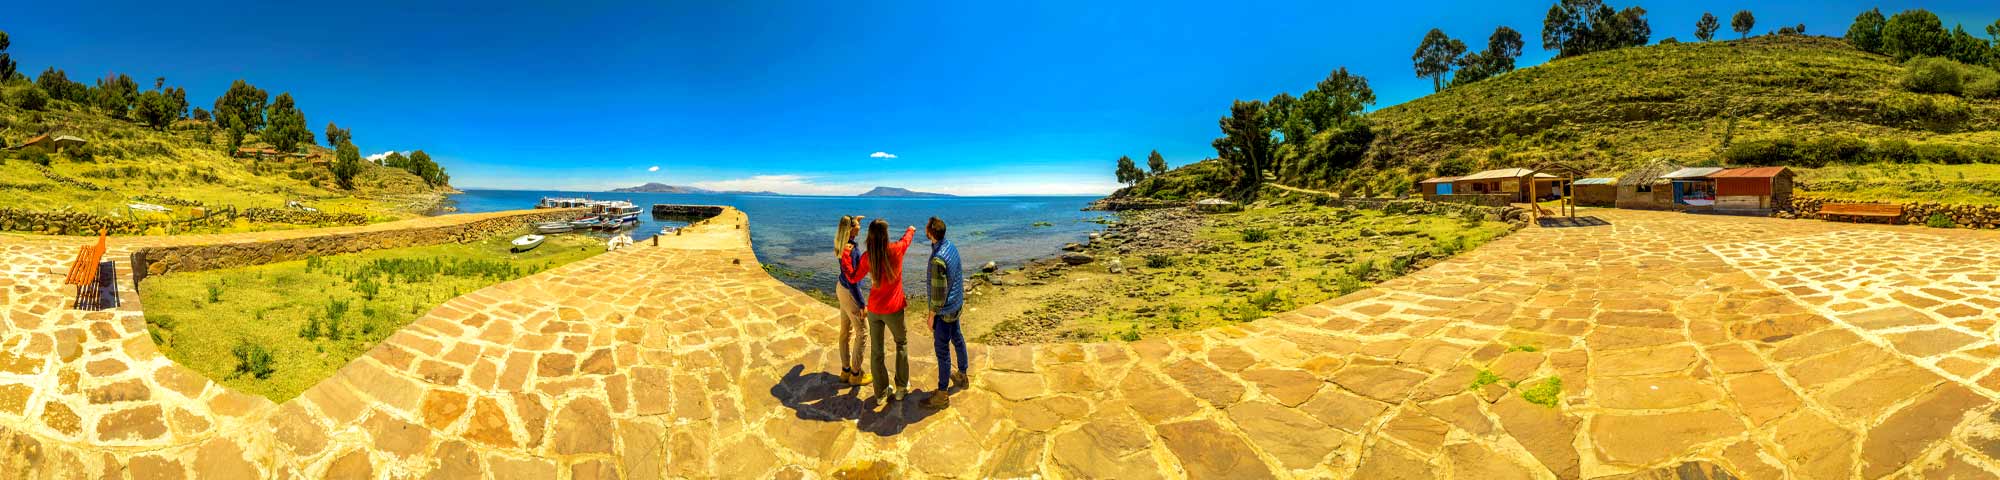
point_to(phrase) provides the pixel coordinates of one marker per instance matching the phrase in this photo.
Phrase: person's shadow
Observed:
(822, 397)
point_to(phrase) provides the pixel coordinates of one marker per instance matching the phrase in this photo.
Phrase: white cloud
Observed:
(786, 184)
(379, 156)
(881, 155)
(654, 169)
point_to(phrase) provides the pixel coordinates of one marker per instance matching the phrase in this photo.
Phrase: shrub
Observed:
(1158, 260)
(1936, 113)
(1985, 87)
(252, 359)
(30, 98)
(214, 293)
(1829, 151)
(1267, 301)
(1346, 284)
(1940, 220)
(1761, 152)
(1934, 75)
(1254, 234)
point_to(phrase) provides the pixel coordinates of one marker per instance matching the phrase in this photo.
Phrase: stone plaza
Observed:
(1657, 345)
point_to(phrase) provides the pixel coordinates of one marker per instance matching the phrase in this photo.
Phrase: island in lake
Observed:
(900, 192)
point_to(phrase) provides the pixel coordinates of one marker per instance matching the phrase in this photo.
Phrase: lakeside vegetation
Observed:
(1173, 271)
(1898, 90)
(152, 146)
(277, 329)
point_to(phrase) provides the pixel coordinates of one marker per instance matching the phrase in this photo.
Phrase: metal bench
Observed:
(1888, 212)
(96, 281)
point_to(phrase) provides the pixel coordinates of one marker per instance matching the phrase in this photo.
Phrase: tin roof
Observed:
(1759, 172)
(1441, 180)
(1596, 181)
(1692, 172)
(1503, 173)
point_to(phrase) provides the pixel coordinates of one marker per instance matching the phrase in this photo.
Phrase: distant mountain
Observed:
(657, 187)
(900, 192)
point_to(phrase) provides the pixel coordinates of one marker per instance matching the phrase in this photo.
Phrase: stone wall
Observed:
(1914, 213)
(1411, 206)
(191, 258)
(1479, 199)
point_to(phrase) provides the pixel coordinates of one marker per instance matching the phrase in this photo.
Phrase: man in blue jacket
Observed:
(947, 298)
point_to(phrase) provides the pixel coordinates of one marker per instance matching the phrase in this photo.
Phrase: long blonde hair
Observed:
(843, 234)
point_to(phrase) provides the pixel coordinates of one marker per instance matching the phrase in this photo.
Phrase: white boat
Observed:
(527, 242)
(554, 227)
(669, 230)
(619, 211)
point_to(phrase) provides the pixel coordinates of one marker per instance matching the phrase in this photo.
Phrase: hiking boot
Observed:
(938, 400)
(960, 380)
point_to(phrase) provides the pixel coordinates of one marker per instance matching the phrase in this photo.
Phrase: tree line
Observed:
(1919, 33)
(241, 111)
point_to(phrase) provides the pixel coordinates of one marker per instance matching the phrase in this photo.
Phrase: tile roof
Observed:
(1759, 172)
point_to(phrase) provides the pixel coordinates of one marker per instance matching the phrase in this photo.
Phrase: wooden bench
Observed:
(86, 272)
(1883, 211)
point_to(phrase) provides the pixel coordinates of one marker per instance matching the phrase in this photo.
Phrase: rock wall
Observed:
(1914, 213)
(1480, 199)
(1411, 206)
(191, 258)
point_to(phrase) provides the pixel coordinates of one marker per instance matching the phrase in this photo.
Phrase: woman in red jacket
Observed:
(884, 260)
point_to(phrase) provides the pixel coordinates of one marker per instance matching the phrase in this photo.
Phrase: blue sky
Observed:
(970, 97)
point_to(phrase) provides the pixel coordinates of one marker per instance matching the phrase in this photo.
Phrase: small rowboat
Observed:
(554, 227)
(527, 242)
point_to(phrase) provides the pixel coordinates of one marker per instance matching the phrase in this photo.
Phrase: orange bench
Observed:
(1866, 210)
(85, 273)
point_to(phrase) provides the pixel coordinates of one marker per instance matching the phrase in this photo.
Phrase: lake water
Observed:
(796, 232)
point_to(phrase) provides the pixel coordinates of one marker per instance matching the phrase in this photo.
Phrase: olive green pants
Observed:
(894, 324)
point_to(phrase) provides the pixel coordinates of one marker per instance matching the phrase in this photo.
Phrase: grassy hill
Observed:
(186, 167)
(1691, 102)
(1612, 110)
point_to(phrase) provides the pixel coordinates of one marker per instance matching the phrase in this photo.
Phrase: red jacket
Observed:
(886, 295)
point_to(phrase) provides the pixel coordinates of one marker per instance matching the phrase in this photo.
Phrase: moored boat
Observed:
(554, 227)
(528, 242)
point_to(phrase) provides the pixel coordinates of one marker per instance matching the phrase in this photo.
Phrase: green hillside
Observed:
(187, 167)
(1791, 100)
(1611, 110)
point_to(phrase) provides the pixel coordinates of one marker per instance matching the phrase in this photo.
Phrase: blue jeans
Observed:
(945, 336)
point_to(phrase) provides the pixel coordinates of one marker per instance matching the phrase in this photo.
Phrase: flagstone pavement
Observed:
(1684, 346)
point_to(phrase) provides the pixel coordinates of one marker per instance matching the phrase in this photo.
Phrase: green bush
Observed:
(252, 359)
(1934, 75)
(1984, 87)
(1255, 234)
(1158, 260)
(1940, 220)
(30, 98)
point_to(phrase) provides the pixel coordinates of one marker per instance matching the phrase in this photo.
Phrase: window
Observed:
(1645, 188)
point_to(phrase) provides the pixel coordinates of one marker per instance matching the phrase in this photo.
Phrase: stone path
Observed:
(1665, 345)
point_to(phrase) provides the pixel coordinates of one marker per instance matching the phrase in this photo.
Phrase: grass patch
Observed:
(1972, 184)
(275, 330)
(1484, 378)
(1524, 348)
(1307, 254)
(1545, 393)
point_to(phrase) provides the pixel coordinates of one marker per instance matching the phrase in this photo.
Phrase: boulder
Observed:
(1077, 258)
(1073, 247)
(990, 267)
(1117, 266)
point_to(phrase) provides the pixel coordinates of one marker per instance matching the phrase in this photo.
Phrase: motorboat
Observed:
(528, 242)
(554, 227)
(585, 223)
(619, 211)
